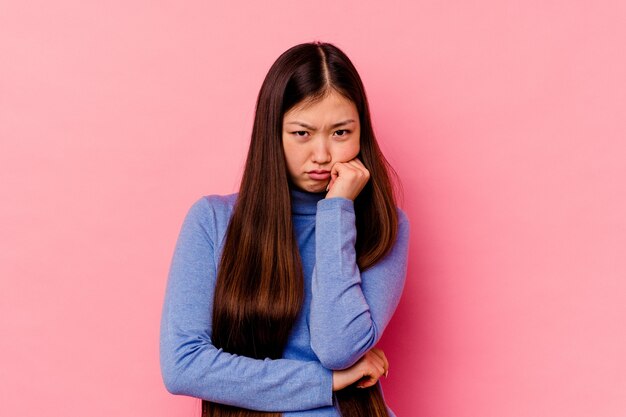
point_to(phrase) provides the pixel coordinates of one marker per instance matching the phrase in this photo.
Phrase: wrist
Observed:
(332, 203)
(337, 381)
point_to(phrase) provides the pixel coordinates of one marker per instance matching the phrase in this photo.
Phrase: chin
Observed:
(314, 188)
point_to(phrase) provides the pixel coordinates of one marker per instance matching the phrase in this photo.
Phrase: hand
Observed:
(366, 370)
(347, 179)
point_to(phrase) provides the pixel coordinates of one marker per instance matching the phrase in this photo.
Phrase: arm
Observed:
(191, 365)
(350, 309)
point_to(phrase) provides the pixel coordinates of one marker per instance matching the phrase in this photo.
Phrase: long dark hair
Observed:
(260, 287)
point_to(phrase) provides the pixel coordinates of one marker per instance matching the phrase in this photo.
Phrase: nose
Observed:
(321, 152)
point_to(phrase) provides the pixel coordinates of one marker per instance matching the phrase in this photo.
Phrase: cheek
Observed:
(292, 155)
(346, 152)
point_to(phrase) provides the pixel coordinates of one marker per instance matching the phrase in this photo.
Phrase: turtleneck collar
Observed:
(304, 202)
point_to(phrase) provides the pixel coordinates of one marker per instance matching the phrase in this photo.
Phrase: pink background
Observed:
(506, 121)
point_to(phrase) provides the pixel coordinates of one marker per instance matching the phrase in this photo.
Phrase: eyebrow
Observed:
(345, 122)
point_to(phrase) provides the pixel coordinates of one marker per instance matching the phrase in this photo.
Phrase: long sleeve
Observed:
(191, 365)
(351, 309)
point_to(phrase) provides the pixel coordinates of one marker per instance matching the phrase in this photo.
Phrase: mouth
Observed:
(319, 174)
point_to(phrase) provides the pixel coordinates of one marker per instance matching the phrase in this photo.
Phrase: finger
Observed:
(386, 362)
(346, 166)
(359, 167)
(366, 384)
(336, 168)
(359, 163)
(377, 353)
(356, 164)
(372, 378)
(382, 356)
(386, 366)
(342, 170)
(366, 381)
(334, 173)
(380, 353)
(330, 184)
(372, 366)
(378, 363)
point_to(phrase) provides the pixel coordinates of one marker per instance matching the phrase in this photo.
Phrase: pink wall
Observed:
(505, 119)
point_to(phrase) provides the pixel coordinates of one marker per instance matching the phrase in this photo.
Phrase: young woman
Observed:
(277, 294)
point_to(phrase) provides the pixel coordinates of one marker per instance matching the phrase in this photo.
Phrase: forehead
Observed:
(331, 104)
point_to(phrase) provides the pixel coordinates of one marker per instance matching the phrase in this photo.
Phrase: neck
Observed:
(304, 202)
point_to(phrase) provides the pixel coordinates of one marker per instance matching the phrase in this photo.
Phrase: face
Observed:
(316, 136)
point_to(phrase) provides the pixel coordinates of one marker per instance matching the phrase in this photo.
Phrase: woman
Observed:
(277, 294)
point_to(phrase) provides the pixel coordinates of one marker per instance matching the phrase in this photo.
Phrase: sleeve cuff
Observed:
(327, 386)
(334, 203)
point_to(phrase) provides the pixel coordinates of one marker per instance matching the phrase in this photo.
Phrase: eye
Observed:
(297, 133)
(343, 130)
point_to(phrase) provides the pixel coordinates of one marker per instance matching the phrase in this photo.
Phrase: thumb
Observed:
(330, 184)
(334, 173)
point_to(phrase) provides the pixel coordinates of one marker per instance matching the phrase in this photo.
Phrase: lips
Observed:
(319, 174)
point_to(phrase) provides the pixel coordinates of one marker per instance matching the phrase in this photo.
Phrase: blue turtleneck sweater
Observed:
(343, 315)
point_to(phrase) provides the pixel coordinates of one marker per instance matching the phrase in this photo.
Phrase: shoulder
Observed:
(209, 215)
(404, 225)
(403, 219)
(213, 205)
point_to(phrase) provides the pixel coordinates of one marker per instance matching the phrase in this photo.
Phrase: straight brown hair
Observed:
(260, 288)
